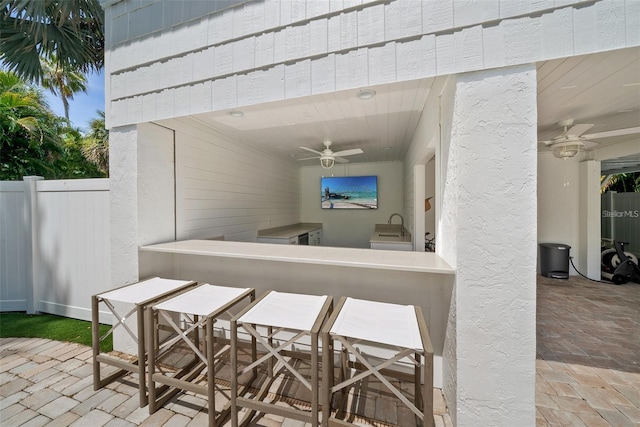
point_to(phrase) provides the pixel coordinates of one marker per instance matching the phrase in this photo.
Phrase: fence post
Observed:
(32, 222)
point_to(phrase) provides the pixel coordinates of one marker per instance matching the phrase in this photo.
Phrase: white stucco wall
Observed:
(492, 156)
(351, 228)
(142, 200)
(123, 182)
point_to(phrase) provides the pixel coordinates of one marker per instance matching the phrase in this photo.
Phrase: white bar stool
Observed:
(286, 318)
(198, 308)
(141, 295)
(399, 330)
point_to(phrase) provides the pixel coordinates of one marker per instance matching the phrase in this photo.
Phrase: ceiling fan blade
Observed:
(578, 130)
(341, 160)
(348, 152)
(309, 158)
(618, 132)
(547, 142)
(313, 151)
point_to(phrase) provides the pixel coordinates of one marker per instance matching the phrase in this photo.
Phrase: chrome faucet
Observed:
(401, 222)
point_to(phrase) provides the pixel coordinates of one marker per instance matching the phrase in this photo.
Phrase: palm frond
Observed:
(70, 29)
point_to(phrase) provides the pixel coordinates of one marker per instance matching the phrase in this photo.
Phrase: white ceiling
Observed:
(601, 89)
(382, 126)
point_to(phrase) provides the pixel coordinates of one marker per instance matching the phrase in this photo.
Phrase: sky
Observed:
(83, 106)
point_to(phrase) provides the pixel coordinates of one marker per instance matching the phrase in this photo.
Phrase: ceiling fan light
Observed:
(327, 162)
(566, 151)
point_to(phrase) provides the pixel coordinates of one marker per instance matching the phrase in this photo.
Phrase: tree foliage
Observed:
(96, 145)
(33, 140)
(63, 83)
(623, 183)
(72, 31)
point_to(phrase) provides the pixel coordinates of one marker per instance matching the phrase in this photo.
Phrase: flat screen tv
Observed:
(349, 192)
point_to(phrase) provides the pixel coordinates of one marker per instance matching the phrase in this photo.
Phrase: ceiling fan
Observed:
(328, 157)
(573, 138)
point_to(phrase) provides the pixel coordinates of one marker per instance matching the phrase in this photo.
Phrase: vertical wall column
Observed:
(142, 202)
(489, 224)
(589, 219)
(123, 177)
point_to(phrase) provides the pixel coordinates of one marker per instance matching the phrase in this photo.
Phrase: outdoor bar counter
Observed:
(416, 278)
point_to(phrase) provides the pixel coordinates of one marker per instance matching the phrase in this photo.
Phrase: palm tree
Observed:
(29, 132)
(72, 30)
(622, 183)
(96, 145)
(62, 82)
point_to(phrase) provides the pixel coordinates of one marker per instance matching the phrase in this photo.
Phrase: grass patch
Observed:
(21, 325)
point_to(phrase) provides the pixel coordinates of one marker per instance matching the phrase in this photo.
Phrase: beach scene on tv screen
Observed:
(349, 192)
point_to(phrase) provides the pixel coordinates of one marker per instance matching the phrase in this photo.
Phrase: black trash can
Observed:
(554, 260)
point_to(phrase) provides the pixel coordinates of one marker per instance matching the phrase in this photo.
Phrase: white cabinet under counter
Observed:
(279, 240)
(303, 233)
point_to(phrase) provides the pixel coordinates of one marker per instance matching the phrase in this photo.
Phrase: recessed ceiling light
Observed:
(569, 87)
(625, 111)
(386, 148)
(235, 113)
(631, 84)
(366, 93)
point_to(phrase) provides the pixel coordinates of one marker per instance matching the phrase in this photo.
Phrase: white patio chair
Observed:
(401, 335)
(196, 309)
(278, 321)
(138, 296)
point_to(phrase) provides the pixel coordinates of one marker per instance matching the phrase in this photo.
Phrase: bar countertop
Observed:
(425, 262)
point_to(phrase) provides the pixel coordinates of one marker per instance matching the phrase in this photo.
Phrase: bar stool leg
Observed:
(314, 379)
(95, 341)
(211, 372)
(427, 393)
(142, 356)
(327, 373)
(151, 361)
(417, 382)
(234, 373)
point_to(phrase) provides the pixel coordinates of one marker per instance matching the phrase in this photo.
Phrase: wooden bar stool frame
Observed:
(256, 404)
(139, 365)
(182, 380)
(423, 407)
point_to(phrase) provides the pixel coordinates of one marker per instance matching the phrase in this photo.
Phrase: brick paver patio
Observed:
(588, 345)
(588, 373)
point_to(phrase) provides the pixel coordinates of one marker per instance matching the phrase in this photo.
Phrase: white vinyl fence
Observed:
(54, 245)
(621, 218)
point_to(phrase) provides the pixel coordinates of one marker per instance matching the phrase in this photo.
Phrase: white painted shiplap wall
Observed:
(225, 188)
(70, 258)
(15, 252)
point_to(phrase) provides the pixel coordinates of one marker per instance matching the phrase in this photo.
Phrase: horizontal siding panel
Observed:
(227, 189)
